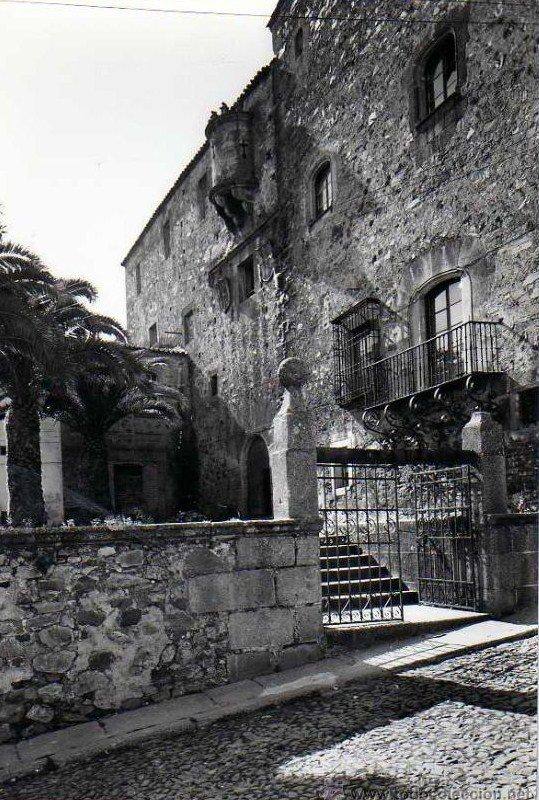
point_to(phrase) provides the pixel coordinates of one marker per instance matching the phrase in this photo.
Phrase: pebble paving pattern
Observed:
(463, 728)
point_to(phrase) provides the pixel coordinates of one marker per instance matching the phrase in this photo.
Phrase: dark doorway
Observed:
(128, 486)
(259, 496)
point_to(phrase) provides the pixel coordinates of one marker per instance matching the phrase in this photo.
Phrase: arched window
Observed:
(440, 73)
(323, 190)
(298, 44)
(259, 492)
(443, 307)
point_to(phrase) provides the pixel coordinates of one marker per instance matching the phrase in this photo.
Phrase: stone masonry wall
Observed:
(241, 345)
(408, 206)
(515, 538)
(95, 620)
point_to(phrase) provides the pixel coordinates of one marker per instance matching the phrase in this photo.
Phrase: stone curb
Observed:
(81, 742)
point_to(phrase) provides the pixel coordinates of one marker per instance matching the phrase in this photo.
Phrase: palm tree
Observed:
(23, 339)
(39, 317)
(108, 382)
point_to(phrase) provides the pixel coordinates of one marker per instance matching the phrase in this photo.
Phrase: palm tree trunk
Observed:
(26, 503)
(97, 467)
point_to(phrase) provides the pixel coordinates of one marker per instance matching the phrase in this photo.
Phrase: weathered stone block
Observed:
(41, 714)
(201, 561)
(90, 617)
(130, 558)
(56, 636)
(55, 662)
(268, 628)
(101, 659)
(308, 551)
(105, 552)
(228, 592)
(129, 617)
(246, 665)
(51, 692)
(308, 623)
(296, 656)
(265, 551)
(298, 586)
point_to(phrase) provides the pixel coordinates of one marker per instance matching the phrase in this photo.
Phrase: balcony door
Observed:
(443, 313)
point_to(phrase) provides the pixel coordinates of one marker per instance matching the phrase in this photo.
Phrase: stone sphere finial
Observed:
(293, 373)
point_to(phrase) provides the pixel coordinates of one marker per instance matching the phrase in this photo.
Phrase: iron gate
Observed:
(448, 524)
(359, 548)
(371, 501)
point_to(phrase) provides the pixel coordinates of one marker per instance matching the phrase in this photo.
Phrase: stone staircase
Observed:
(355, 581)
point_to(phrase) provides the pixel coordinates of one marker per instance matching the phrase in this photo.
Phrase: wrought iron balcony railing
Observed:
(466, 349)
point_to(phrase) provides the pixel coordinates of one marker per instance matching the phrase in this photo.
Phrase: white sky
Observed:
(101, 109)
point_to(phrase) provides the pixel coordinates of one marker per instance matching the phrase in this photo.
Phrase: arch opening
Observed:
(259, 490)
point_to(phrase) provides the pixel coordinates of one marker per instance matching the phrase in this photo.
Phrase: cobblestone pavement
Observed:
(460, 729)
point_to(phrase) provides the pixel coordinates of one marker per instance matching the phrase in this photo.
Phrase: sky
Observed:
(101, 109)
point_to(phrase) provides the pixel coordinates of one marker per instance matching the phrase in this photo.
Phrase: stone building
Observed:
(369, 204)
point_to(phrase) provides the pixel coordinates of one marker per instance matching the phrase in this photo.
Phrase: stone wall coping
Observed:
(528, 518)
(188, 531)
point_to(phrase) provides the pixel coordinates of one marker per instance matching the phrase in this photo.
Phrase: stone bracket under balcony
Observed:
(434, 385)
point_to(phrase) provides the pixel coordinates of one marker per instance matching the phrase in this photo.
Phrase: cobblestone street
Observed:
(463, 728)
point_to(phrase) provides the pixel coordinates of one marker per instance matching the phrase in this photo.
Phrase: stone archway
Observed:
(258, 473)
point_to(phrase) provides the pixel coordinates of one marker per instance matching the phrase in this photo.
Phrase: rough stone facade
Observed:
(93, 620)
(414, 202)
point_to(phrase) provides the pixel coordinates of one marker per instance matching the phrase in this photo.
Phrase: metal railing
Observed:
(465, 349)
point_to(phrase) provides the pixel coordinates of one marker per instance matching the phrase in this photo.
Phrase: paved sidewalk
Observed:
(118, 731)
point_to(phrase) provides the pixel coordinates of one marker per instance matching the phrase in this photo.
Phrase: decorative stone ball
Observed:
(293, 373)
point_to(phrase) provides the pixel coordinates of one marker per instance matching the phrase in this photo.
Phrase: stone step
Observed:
(362, 587)
(352, 571)
(340, 549)
(342, 561)
(409, 597)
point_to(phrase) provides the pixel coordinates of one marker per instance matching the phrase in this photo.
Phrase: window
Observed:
(152, 335)
(188, 331)
(214, 385)
(3, 450)
(138, 279)
(323, 190)
(443, 307)
(246, 273)
(357, 351)
(202, 195)
(299, 43)
(440, 74)
(166, 238)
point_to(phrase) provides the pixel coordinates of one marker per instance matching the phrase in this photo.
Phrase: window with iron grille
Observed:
(440, 73)
(357, 346)
(246, 274)
(323, 190)
(152, 335)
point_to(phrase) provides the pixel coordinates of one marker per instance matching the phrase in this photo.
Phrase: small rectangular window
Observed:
(214, 385)
(3, 450)
(166, 238)
(202, 195)
(138, 278)
(188, 327)
(152, 334)
(247, 278)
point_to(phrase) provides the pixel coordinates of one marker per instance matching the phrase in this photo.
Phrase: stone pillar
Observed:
(485, 436)
(293, 451)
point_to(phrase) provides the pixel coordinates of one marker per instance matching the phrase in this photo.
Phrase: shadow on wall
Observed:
(232, 448)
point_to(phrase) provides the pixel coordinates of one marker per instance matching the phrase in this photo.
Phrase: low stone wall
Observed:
(93, 620)
(513, 539)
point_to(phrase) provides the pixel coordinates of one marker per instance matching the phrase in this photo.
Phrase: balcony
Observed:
(467, 349)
